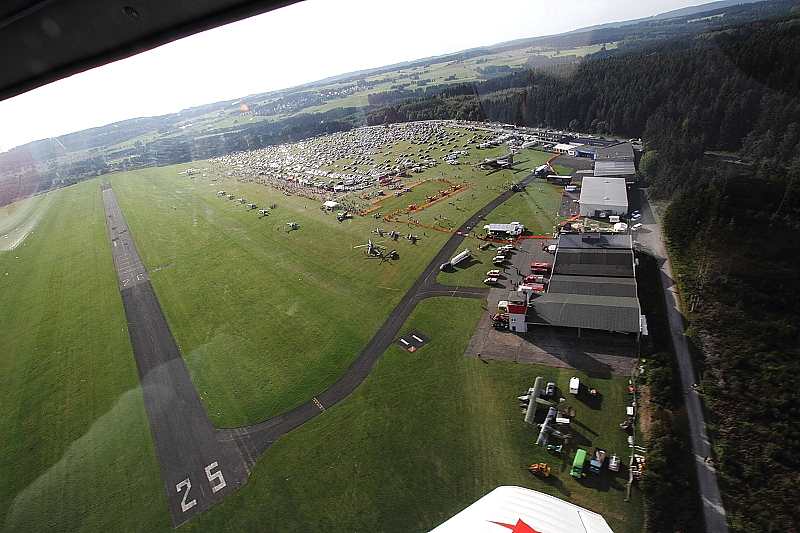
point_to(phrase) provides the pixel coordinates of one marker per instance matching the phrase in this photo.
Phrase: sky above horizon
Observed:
(297, 44)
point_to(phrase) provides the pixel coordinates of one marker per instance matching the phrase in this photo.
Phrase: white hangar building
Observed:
(601, 197)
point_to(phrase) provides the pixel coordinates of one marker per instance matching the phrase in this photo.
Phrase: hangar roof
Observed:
(510, 506)
(604, 191)
(614, 168)
(594, 240)
(617, 152)
(609, 313)
(616, 263)
(593, 286)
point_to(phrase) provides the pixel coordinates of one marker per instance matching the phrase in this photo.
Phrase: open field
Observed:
(71, 414)
(265, 319)
(18, 220)
(425, 435)
(318, 294)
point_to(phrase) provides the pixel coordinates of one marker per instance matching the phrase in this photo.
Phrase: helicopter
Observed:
(372, 249)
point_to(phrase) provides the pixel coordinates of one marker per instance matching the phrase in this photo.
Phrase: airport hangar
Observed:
(592, 286)
(603, 197)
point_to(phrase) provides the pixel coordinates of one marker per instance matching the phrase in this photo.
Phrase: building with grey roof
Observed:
(594, 262)
(616, 152)
(595, 240)
(593, 286)
(609, 313)
(615, 169)
(603, 197)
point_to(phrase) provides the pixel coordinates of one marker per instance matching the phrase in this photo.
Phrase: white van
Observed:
(574, 385)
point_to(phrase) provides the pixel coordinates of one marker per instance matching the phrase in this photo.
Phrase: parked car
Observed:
(493, 273)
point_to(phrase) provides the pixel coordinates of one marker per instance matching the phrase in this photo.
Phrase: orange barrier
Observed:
(377, 206)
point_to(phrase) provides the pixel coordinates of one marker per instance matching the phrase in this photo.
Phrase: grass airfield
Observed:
(265, 318)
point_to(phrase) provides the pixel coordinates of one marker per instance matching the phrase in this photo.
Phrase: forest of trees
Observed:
(735, 249)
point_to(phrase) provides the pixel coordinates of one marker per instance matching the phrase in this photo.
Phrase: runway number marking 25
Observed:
(215, 479)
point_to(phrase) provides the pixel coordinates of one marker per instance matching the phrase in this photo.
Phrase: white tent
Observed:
(330, 204)
(514, 508)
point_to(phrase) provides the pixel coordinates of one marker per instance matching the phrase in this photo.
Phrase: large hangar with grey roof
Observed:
(593, 286)
(602, 197)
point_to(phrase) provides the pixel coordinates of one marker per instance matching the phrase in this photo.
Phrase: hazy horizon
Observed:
(326, 40)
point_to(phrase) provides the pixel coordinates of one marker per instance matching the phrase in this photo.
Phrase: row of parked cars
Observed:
(633, 217)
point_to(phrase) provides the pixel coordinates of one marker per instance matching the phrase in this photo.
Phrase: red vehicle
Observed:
(541, 268)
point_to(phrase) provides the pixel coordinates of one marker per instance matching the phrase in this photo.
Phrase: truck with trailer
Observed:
(455, 259)
(598, 458)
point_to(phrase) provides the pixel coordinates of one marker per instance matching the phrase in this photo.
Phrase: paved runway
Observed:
(200, 464)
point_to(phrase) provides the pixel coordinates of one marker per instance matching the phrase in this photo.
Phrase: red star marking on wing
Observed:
(519, 527)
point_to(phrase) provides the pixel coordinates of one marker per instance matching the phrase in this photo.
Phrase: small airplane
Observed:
(290, 226)
(393, 235)
(251, 206)
(372, 249)
(378, 232)
(343, 216)
(263, 212)
(412, 238)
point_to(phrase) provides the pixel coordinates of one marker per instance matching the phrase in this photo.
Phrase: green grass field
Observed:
(424, 436)
(265, 319)
(72, 413)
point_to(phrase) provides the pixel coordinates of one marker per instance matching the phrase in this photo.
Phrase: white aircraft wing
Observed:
(519, 510)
